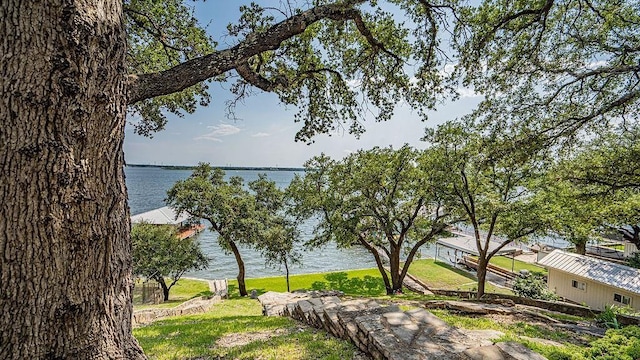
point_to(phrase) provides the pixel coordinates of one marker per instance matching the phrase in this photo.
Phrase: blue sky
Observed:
(264, 134)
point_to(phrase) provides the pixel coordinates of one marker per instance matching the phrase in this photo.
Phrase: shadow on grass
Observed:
(187, 336)
(365, 286)
(234, 293)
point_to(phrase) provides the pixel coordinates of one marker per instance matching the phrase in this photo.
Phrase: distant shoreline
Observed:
(186, 167)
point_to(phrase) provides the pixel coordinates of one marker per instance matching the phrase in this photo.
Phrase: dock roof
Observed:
(467, 244)
(601, 271)
(162, 216)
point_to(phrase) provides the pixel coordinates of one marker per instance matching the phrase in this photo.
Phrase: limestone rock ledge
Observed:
(388, 333)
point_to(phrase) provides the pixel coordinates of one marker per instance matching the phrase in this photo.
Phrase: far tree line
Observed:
(393, 201)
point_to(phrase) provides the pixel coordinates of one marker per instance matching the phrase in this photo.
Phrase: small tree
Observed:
(159, 254)
(380, 199)
(280, 234)
(576, 216)
(279, 249)
(238, 215)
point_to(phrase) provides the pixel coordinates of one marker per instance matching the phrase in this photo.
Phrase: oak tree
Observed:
(556, 68)
(380, 199)
(70, 71)
(159, 254)
(605, 172)
(489, 185)
(228, 206)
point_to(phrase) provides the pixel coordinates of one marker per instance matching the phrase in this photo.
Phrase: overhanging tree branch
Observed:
(145, 86)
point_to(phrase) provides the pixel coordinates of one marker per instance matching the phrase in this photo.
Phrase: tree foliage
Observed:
(252, 215)
(553, 67)
(604, 177)
(227, 205)
(488, 185)
(336, 62)
(574, 215)
(281, 236)
(158, 254)
(381, 199)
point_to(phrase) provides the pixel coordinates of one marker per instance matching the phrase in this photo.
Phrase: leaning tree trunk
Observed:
(165, 288)
(65, 262)
(241, 286)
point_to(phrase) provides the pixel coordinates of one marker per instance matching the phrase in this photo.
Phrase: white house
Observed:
(591, 281)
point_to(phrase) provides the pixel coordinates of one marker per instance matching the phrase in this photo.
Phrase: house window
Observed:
(624, 300)
(578, 285)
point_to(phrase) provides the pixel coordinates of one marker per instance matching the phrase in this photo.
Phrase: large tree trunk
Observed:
(65, 262)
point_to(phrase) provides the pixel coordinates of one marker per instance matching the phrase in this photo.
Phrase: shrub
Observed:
(617, 344)
(533, 286)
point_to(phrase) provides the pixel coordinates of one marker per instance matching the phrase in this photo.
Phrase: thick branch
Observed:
(189, 73)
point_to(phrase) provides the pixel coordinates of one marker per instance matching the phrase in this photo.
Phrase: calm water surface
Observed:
(148, 187)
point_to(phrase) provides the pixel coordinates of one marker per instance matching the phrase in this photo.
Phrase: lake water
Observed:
(147, 187)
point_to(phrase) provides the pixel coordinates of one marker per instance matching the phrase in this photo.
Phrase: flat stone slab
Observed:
(387, 333)
(517, 351)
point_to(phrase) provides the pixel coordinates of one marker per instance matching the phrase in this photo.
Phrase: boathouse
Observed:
(591, 281)
(167, 216)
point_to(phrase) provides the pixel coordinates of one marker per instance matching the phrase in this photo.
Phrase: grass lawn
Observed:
(505, 263)
(439, 275)
(520, 332)
(182, 291)
(236, 329)
(366, 282)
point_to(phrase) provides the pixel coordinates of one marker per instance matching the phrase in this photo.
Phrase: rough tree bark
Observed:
(394, 267)
(65, 248)
(65, 264)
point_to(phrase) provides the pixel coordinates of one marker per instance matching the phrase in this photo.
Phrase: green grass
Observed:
(182, 291)
(505, 263)
(196, 336)
(518, 332)
(366, 282)
(439, 275)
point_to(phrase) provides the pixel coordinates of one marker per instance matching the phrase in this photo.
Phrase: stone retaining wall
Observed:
(559, 306)
(388, 333)
(197, 305)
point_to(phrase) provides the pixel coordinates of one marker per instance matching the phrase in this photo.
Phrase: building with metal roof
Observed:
(162, 216)
(592, 281)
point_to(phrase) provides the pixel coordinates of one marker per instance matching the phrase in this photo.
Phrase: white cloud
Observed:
(467, 93)
(218, 132)
(260, 134)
